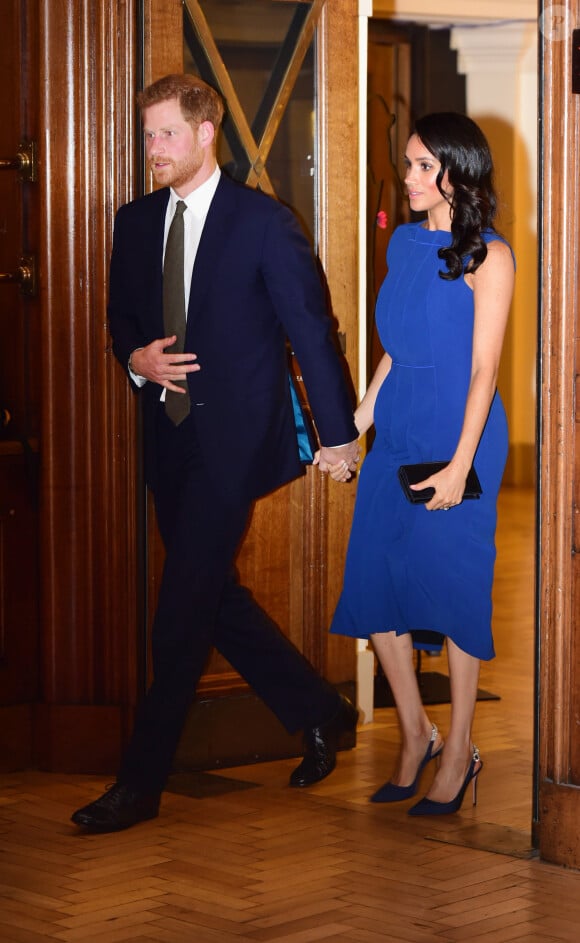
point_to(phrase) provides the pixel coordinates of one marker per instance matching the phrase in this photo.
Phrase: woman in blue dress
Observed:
(418, 573)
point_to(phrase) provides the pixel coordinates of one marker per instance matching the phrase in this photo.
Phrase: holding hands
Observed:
(340, 462)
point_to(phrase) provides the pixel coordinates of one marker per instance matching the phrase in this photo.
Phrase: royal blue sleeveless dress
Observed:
(408, 569)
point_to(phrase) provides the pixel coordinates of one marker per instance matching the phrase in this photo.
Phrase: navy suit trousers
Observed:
(201, 604)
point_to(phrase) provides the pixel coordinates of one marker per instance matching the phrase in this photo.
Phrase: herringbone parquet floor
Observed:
(237, 857)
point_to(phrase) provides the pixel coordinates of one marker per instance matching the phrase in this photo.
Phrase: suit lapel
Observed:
(149, 229)
(160, 212)
(211, 244)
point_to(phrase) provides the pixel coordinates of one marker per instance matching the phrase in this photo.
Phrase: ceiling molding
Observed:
(494, 50)
(456, 12)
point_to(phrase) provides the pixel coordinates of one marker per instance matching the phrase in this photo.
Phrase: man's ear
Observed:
(206, 133)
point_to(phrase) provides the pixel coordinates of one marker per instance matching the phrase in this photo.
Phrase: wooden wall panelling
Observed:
(560, 454)
(88, 72)
(163, 31)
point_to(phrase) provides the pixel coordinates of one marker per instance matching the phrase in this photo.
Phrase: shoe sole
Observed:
(96, 828)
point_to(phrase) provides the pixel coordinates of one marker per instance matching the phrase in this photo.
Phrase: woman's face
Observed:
(421, 183)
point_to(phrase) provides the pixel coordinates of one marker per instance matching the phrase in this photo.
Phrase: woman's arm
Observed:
(364, 415)
(492, 286)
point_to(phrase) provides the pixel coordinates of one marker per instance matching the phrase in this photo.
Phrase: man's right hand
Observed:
(154, 364)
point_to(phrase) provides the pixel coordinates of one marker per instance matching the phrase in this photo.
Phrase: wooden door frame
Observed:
(89, 70)
(557, 810)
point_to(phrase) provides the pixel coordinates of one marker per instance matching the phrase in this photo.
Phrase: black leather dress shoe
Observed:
(321, 744)
(118, 808)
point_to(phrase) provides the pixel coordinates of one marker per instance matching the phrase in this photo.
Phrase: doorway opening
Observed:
(490, 73)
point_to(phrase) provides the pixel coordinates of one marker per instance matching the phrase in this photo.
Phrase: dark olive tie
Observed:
(176, 404)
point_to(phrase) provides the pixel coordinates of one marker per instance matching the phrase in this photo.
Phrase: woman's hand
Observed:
(339, 472)
(449, 484)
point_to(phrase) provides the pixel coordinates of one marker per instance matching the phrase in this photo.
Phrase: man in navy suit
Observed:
(249, 283)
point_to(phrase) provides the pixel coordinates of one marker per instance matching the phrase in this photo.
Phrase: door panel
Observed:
(19, 398)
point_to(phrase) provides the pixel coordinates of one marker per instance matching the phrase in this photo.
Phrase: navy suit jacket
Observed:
(254, 284)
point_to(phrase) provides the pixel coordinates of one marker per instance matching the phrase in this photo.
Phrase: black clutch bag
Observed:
(412, 474)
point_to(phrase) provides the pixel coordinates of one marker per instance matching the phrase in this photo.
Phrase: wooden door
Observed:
(270, 60)
(19, 391)
(67, 517)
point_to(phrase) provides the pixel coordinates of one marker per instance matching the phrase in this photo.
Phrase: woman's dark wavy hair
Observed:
(462, 149)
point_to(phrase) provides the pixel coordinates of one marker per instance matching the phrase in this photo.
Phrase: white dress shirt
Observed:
(198, 203)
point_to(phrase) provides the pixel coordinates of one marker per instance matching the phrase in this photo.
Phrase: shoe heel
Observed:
(432, 807)
(390, 792)
(476, 759)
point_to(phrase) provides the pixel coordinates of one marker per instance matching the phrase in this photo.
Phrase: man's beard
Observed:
(176, 174)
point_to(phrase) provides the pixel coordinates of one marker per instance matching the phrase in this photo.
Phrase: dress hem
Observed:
(418, 644)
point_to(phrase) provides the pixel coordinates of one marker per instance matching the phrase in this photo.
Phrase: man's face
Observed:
(173, 146)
